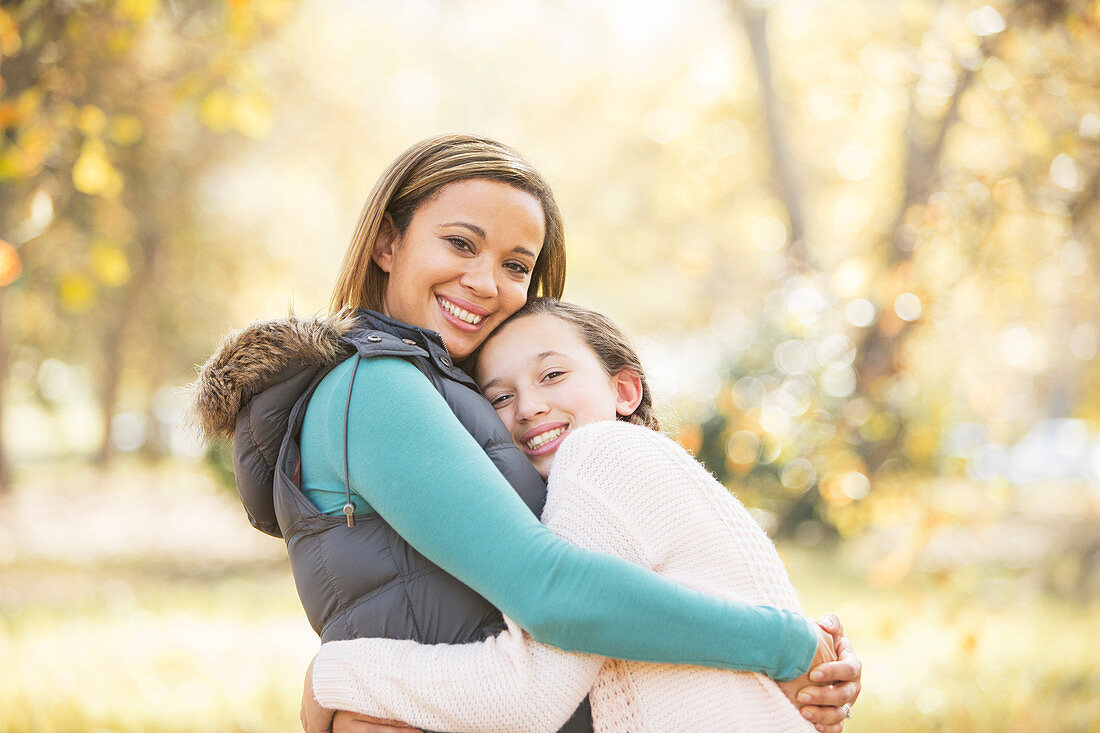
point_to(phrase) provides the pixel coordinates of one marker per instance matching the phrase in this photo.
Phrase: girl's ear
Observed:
(385, 244)
(628, 391)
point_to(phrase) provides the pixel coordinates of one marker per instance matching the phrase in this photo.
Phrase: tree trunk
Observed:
(5, 466)
(755, 20)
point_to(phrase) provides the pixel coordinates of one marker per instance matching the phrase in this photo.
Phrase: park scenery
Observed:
(856, 242)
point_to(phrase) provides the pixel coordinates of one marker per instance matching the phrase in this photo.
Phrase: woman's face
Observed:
(464, 263)
(544, 380)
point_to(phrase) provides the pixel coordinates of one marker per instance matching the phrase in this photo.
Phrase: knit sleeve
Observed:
(421, 471)
(506, 683)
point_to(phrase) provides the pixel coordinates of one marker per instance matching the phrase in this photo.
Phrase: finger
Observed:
(831, 623)
(842, 670)
(828, 695)
(824, 716)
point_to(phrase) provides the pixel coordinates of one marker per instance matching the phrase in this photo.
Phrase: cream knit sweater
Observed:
(623, 490)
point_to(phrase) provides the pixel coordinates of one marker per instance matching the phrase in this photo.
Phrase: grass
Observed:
(146, 603)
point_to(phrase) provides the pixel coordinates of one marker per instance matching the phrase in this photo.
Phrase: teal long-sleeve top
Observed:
(412, 462)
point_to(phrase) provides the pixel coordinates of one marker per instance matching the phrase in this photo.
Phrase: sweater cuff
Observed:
(332, 680)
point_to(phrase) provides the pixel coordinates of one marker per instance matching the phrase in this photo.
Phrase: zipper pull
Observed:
(349, 512)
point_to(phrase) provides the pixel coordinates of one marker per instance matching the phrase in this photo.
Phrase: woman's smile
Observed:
(464, 262)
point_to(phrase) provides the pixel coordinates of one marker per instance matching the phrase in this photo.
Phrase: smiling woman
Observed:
(463, 264)
(408, 510)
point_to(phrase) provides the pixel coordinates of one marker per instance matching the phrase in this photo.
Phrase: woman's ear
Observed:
(385, 244)
(628, 391)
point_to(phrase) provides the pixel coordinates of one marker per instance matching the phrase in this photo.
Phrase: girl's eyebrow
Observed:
(539, 357)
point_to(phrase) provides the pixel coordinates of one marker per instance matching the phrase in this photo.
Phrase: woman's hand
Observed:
(826, 652)
(316, 719)
(833, 685)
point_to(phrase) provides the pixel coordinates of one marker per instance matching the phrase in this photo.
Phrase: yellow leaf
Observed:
(91, 120)
(109, 263)
(124, 129)
(76, 291)
(93, 173)
(10, 42)
(216, 110)
(252, 115)
(10, 264)
(136, 10)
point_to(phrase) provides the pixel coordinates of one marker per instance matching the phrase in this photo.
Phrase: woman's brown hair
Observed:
(607, 341)
(420, 173)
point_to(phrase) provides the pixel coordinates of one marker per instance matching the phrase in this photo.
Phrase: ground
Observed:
(141, 600)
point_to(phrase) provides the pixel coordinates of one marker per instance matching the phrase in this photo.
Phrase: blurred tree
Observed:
(805, 442)
(109, 111)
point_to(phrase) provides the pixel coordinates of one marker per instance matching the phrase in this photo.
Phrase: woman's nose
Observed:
(478, 278)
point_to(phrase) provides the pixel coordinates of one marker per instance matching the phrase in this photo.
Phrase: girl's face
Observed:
(464, 263)
(544, 381)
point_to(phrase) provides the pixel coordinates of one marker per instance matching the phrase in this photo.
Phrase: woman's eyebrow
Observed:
(481, 235)
(465, 225)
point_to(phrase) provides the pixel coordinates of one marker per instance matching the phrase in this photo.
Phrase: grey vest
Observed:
(365, 580)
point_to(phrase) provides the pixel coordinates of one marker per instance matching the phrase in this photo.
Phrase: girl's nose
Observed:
(530, 406)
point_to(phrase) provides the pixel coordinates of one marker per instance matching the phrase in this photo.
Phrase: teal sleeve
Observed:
(415, 464)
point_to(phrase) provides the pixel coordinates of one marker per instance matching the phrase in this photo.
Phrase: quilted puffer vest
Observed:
(365, 580)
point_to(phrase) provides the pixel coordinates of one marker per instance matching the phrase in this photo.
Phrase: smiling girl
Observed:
(572, 393)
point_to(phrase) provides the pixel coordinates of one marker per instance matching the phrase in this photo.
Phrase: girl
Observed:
(407, 509)
(559, 375)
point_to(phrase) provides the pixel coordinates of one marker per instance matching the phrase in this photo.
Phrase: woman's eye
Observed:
(460, 244)
(518, 267)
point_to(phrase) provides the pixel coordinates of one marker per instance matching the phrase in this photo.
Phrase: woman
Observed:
(565, 380)
(407, 510)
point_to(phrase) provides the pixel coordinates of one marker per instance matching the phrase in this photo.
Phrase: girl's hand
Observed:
(346, 722)
(316, 719)
(834, 685)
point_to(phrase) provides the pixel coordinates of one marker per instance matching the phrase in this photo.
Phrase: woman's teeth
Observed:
(546, 437)
(459, 313)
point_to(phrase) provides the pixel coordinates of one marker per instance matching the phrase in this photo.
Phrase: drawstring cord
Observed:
(349, 508)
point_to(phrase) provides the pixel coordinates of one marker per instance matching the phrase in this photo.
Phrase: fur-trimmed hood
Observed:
(251, 359)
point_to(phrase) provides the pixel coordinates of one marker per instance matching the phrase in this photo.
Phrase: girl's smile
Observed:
(544, 381)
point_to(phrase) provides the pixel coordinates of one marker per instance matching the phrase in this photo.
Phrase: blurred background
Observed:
(857, 243)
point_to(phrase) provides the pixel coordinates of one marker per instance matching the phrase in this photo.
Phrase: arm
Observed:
(421, 471)
(506, 683)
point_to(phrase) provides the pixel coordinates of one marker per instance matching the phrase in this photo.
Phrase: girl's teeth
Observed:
(546, 437)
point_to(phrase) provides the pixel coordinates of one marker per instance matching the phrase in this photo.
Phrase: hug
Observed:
(406, 447)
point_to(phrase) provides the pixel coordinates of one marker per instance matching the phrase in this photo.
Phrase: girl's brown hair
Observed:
(420, 173)
(607, 341)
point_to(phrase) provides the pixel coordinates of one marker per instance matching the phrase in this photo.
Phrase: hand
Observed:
(826, 652)
(834, 685)
(315, 719)
(346, 722)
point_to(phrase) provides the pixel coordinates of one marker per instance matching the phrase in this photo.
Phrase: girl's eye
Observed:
(552, 375)
(500, 400)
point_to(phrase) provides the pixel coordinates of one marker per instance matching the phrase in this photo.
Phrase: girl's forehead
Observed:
(520, 343)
